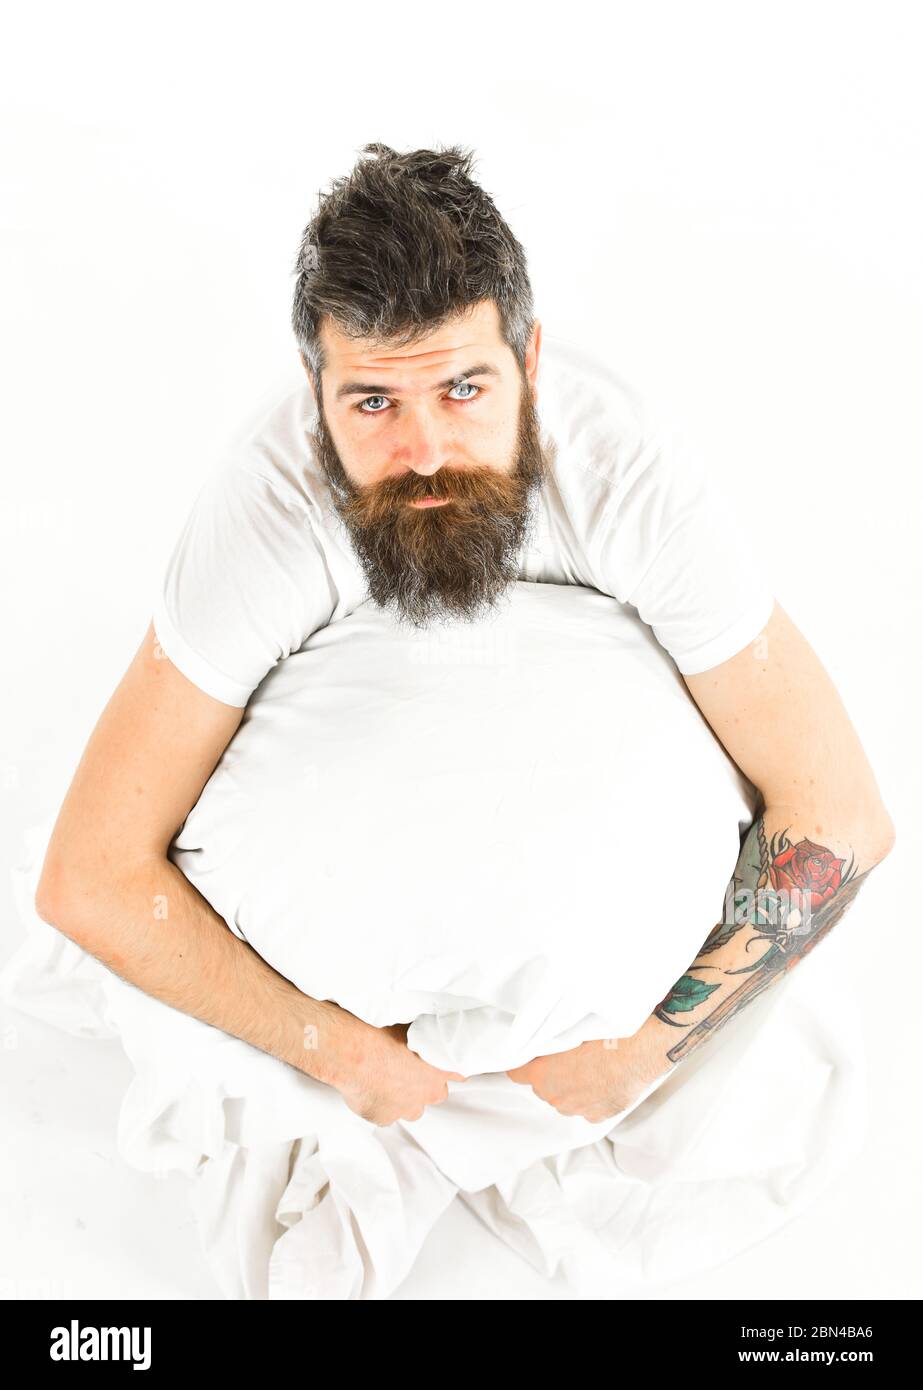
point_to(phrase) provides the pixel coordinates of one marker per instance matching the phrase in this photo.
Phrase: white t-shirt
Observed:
(263, 560)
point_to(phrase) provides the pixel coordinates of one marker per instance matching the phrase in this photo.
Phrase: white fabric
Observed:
(476, 827)
(516, 834)
(263, 560)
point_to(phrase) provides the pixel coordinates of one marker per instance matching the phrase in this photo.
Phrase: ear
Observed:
(309, 376)
(533, 352)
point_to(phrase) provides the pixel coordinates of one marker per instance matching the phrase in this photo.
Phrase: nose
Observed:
(424, 446)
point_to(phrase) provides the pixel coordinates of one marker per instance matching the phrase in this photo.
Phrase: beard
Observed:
(450, 561)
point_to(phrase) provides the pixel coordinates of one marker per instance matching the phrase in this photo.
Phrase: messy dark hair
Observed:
(401, 245)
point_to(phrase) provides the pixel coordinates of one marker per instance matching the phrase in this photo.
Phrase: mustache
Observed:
(476, 487)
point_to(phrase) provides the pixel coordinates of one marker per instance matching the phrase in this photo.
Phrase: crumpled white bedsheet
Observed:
(296, 1196)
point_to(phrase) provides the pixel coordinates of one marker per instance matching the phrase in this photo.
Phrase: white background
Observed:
(725, 199)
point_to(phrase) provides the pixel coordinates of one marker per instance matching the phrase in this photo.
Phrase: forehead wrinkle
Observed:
(388, 360)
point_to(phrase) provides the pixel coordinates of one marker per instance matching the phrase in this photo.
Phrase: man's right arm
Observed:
(107, 881)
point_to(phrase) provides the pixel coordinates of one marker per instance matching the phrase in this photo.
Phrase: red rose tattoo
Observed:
(808, 867)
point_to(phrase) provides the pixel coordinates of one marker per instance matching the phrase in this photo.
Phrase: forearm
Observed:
(795, 877)
(150, 926)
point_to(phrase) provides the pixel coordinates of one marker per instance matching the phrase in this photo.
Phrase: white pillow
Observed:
(516, 833)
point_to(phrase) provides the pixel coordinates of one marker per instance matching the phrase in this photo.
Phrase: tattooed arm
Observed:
(786, 893)
(821, 828)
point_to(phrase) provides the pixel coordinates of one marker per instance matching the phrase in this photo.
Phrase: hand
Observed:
(385, 1081)
(596, 1080)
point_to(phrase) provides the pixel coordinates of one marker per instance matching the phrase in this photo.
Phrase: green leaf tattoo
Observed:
(686, 994)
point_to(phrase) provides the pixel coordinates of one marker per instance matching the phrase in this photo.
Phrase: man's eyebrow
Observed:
(365, 388)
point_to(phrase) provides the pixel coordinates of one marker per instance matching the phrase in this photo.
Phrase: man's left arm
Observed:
(820, 829)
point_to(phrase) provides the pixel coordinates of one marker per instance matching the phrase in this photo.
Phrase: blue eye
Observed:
(461, 385)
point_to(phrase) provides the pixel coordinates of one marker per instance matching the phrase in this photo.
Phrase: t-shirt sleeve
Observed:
(245, 585)
(674, 547)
